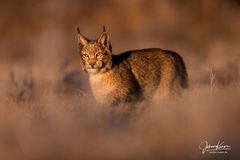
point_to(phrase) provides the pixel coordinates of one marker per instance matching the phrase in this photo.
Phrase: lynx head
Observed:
(96, 55)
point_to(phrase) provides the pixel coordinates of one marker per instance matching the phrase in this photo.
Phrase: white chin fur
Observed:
(96, 70)
(92, 70)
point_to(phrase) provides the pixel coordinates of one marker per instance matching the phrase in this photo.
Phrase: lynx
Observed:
(133, 75)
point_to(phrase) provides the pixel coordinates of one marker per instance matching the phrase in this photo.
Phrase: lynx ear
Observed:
(104, 38)
(81, 39)
(104, 29)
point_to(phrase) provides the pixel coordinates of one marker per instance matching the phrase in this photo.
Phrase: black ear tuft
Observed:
(81, 39)
(104, 38)
(104, 29)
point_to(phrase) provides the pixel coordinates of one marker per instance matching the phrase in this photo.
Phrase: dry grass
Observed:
(46, 109)
(59, 125)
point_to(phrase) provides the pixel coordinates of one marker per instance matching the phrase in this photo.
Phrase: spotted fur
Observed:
(132, 75)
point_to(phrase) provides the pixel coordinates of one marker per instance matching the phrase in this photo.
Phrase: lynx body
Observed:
(132, 75)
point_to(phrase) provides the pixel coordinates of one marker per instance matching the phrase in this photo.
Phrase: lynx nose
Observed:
(91, 64)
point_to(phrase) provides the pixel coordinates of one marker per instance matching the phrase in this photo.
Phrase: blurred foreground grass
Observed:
(46, 110)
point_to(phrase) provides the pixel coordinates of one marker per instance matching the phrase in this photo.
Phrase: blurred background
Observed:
(46, 110)
(43, 33)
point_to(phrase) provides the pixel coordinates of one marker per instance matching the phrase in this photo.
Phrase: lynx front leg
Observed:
(123, 96)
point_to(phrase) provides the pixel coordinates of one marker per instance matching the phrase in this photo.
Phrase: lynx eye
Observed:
(98, 54)
(85, 55)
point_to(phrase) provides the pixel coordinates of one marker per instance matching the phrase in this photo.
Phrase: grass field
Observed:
(47, 111)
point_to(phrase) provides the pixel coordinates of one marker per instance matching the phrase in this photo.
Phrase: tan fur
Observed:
(132, 75)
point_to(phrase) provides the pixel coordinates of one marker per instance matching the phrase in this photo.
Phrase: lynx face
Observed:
(95, 56)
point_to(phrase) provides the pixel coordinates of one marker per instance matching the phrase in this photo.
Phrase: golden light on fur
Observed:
(132, 75)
